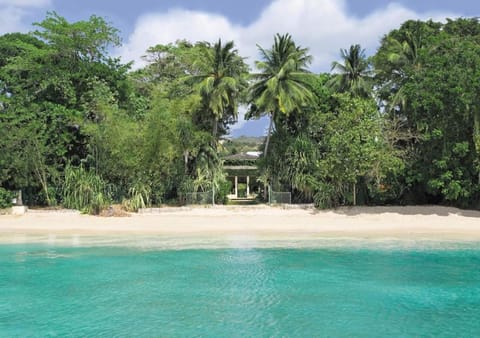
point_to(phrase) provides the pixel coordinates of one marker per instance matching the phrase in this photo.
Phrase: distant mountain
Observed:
(250, 127)
(248, 139)
(243, 144)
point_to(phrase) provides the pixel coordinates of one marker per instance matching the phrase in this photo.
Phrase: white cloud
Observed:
(11, 20)
(12, 13)
(248, 127)
(240, 119)
(175, 25)
(324, 26)
(25, 3)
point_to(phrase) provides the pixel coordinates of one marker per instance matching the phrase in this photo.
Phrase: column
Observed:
(236, 186)
(248, 186)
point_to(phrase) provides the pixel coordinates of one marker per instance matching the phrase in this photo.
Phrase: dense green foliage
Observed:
(434, 96)
(354, 74)
(242, 144)
(84, 190)
(80, 129)
(5, 198)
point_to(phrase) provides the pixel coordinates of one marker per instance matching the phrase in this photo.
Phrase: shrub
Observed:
(139, 197)
(242, 190)
(85, 191)
(223, 191)
(328, 196)
(5, 198)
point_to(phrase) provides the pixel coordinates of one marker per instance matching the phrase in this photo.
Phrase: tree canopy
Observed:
(400, 126)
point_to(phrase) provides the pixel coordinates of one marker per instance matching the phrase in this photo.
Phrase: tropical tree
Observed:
(354, 74)
(196, 88)
(398, 59)
(282, 85)
(166, 69)
(427, 78)
(353, 149)
(54, 82)
(220, 83)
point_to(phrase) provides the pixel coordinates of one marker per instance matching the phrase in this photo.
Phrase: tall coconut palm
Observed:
(220, 82)
(404, 54)
(282, 84)
(397, 60)
(354, 74)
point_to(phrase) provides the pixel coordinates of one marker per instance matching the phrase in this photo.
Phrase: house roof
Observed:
(240, 167)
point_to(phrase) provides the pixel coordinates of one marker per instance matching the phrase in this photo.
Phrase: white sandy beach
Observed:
(427, 223)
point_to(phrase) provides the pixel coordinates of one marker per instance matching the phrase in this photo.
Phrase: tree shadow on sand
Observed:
(424, 210)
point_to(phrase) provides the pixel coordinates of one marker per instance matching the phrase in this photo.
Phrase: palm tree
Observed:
(397, 60)
(221, 82)
(354, 74)
(282, 84)
(405, 52)
(404, 55)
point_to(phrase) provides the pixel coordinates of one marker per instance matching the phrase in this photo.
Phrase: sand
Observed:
(260, 222)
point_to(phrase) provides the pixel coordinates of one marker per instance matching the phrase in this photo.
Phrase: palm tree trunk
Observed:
(354, 194)
(215, 129)
(185, 159)
(272, 116)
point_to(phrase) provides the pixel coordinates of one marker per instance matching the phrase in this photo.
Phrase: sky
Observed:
(324, 26)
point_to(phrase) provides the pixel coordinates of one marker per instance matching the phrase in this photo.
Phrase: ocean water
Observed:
(245, 291)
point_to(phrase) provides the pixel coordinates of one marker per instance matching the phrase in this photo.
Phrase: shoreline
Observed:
(247, 223)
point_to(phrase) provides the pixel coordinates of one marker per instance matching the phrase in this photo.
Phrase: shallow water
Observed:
(242, 289)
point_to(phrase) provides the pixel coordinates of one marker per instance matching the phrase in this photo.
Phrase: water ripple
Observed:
(238, 291)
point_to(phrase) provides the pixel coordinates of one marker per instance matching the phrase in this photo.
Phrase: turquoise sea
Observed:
(230, 290)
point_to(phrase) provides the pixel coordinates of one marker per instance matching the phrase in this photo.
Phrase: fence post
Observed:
(354, 194)
(19, 198)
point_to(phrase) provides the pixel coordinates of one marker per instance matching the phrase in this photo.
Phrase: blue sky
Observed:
(324, 26)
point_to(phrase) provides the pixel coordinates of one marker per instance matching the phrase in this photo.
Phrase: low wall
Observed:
(15, 210)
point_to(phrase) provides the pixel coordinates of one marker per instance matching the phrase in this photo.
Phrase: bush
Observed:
(185, 187)
(5, 198)
(85, 191)
(242, 190)
(327, 196)
(224, 190)
(139, 197)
